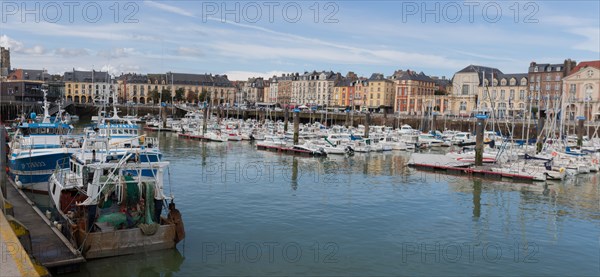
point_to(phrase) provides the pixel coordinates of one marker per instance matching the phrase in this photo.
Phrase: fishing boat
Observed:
(36, 147)
(108, 207)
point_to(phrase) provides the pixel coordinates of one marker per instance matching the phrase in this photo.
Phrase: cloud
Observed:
(14, 45)
(19, 47)
(169, 8)
(71, 52)
(116, 53)
(116, 70)
(591, 41)
(190, 52)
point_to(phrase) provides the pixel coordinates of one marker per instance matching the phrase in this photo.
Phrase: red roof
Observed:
(581, 65)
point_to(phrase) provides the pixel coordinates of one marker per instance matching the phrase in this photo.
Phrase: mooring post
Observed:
(540, 131)
(205, 120)
(580, 121)
(479, 139)
(286, 119)
(296, 125)
(367, 123)
(347, 119)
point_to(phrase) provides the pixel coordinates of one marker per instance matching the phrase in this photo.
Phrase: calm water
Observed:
(251, 212)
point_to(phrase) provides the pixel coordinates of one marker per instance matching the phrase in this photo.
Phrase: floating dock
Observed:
(48, 245)
(440, 163)
(290, 151)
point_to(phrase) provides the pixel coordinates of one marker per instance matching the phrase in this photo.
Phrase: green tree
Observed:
(179, 94)
(204, 96)
(192, 96)
(166, 95)
(155, 95)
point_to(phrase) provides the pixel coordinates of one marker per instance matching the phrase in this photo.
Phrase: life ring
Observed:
(554, 154)
(142, 140)
(561, 170)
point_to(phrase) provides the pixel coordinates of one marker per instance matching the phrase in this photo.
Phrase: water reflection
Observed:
(294, 181)
(476, 198)
(155, 263)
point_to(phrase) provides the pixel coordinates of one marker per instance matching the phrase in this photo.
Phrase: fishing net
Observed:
(149, 229)
(133, 191)
(114, 219)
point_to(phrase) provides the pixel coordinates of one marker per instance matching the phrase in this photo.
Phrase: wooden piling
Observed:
(479, 140)
(580, 121)
(367, 123)
(296, 126)
(286, 119)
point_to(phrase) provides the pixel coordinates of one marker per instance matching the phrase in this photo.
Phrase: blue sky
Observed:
(360, 36)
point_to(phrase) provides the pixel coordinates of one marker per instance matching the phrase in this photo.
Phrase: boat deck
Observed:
(190, 136)
(50, 247)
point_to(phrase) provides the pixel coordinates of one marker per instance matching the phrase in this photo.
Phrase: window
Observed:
(465, 90)
(513, 82)
(557, 77)
(572, 88)
(503, 82)
(502, 94)
(522, 94)
(512, 94)
(523, 82)
(463, 106)
(493, 94)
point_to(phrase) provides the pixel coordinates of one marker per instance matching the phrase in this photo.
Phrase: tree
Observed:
(154, 94)
(192, 97)
(204, 96)
(166, 95)
(179, 94)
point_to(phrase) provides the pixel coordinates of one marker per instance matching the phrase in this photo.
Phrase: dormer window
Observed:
(535, 69)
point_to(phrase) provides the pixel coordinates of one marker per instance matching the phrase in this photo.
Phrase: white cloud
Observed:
(119, 52)
(168, 8)
(71, 52)
(591, 41)
(190, 52)
(118, 69)
(14, 45)
(19, 47)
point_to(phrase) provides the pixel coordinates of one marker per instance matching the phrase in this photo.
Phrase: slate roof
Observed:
(86, 76)
(191, 79)
(409, 75)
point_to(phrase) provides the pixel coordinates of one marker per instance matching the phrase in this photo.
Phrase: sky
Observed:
(262, 38)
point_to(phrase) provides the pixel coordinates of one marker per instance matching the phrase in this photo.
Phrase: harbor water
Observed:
(250, 212)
